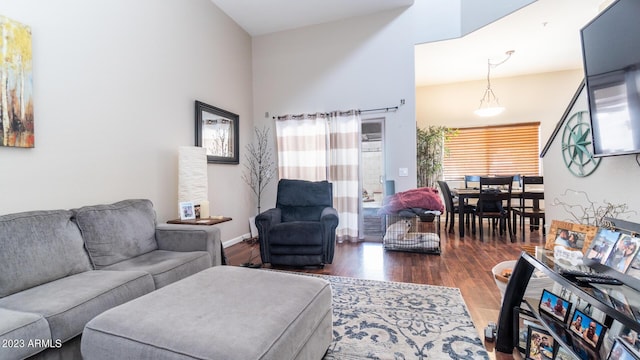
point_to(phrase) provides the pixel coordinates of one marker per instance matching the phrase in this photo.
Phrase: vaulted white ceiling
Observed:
(545, 34)
(259, 17)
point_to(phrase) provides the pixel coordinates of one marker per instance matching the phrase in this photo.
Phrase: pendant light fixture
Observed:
(489, 104)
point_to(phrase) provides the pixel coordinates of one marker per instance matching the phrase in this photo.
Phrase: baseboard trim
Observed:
(236, 240)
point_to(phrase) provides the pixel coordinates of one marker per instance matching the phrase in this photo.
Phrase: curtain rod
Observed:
(380, 109)
(385, 109)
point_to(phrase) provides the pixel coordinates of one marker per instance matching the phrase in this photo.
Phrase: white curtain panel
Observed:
(344, 171)
(302, 146)
(193, 184)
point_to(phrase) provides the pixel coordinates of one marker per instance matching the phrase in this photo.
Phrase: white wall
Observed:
(530, 98)
(361, 63)
(114, 88)
(613, 182)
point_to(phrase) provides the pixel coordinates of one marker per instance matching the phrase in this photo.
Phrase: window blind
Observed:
(493, 150)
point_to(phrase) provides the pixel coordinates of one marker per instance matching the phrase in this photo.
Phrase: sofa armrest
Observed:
(329, 220)
(179, 237)
(264, 221)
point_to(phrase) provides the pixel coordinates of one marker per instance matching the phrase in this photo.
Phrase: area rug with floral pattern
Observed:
(392, 320)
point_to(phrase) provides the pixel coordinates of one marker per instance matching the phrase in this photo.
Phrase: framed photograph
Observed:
(620, 303)
(587, 329)
(218, 131)
(620, 352)
(598, 294)
(571, 236)
(187, 211)
(631, 338)
(523, 319)
(563, 354)
(623, 253)
(558, 328)
(602, 244)
(634, 268)
(582, 350)
(554, 306)
(540, 344)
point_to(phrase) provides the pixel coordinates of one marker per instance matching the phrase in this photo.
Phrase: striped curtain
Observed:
(302, 146)
(344, 170)
(325, 147)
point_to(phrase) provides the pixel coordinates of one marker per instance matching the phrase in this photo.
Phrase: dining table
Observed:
(464, 194)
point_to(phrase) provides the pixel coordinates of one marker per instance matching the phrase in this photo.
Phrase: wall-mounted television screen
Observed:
(611, 55)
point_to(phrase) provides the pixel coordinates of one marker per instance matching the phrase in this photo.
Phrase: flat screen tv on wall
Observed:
(611, 55)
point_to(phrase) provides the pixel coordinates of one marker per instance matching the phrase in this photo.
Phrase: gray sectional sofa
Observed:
(61, 268)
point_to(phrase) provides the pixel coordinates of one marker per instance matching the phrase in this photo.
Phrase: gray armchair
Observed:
(301, 229)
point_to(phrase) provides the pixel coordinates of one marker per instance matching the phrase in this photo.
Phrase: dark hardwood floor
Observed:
(464, 263)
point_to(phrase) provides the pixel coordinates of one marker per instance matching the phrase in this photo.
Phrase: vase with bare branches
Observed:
(259, 171)
(259, 165)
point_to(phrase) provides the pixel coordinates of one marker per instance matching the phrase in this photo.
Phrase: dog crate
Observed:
(417, 233)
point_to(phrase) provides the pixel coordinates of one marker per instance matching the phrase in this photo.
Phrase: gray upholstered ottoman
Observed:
(223, 312)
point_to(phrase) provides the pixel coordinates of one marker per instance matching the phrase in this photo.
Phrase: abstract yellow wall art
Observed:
(16, 85)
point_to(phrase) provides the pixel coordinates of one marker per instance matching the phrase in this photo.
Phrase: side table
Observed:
(208, 221)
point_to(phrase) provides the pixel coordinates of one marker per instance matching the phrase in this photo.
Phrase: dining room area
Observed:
(495, 207)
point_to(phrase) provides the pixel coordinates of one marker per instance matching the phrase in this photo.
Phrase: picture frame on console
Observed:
(619, 351)
(588, 330)
(540, 344)
(554, 306)
(623, 253)
(187, 210)
(218, 131)
(574, 237)
(523, 319)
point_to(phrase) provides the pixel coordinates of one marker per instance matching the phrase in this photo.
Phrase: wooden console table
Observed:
(209, 221)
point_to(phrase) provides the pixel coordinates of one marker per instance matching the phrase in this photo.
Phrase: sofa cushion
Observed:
(69, 303)
(166, 266)
(119, 231)
(18, 330)
(38, 247)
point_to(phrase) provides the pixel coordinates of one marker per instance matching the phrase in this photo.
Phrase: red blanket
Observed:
(425, 198)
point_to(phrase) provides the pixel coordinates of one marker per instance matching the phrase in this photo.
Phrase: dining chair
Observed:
(452, 204)
(494, 204)
(529, 205)
(471, 181)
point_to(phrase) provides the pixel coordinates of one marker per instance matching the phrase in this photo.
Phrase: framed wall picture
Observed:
(571, 236)
(554, 306)
(587, 329)
(17, 117)
(218, 131)
(187, 210)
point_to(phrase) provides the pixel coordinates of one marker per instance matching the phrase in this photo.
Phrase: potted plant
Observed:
(430, 151)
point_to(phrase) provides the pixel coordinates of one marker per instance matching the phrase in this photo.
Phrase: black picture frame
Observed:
(523, 318)
(218, 131)
(548, 303)
(540, 344)
(631, 339)
(599, 330)
(559, 329)
(620, 351)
